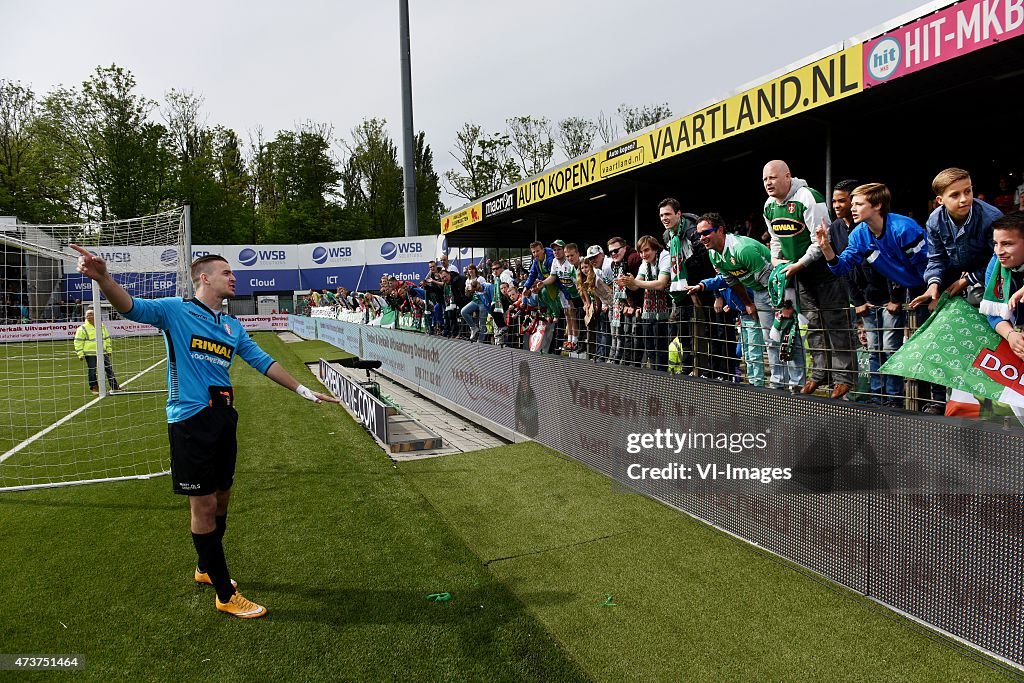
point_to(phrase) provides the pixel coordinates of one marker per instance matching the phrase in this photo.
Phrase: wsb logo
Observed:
(321, 254)
(390, 250)
(248, 256)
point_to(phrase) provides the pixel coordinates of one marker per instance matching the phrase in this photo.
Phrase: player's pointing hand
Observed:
(90, 265)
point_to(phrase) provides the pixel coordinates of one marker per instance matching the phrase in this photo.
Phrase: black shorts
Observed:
(203, 450)
(577, 302)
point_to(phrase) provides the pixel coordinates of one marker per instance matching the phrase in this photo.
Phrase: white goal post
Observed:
(85, 402)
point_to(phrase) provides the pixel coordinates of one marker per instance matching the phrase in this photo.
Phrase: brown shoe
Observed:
(841, 390)
(810, 387)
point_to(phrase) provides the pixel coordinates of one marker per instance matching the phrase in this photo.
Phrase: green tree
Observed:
(531, 141)
(371, 181)
(33, 186)
(233, 179)
(576, 136)
(637, 118)
(485, 160)
(297, 184)
(124, 159)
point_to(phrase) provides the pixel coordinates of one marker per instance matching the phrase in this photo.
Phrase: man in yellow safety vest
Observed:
(85, 348)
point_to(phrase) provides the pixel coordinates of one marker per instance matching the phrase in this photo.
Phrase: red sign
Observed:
(936, 38)
(1002, 366)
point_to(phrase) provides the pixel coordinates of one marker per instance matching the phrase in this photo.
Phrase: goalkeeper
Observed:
(85, 348)
(201, 343)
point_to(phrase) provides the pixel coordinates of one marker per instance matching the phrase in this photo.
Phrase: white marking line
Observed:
(58, 423)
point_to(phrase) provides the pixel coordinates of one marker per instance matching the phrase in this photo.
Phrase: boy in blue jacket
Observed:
(894, 246)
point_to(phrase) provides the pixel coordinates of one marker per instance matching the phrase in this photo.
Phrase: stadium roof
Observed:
(828, 118)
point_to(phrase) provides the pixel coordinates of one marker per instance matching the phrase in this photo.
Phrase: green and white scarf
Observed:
(679, 250)
(997, 293)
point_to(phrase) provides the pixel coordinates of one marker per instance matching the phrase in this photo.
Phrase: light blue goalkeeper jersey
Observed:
(200, 347)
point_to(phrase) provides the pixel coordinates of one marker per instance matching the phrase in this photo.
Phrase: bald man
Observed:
(792, 212)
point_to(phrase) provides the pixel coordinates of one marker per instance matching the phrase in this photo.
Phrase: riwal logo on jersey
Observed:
(390, 250)
(211, 347)
(249, 256)
(321, 253)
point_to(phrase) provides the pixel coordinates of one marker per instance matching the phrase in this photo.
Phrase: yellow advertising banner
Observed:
(829, 79)
(460, 219)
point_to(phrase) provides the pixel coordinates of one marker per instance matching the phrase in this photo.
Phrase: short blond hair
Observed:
(947, 177)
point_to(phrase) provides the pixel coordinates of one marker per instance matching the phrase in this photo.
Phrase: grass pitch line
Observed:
(43, 432)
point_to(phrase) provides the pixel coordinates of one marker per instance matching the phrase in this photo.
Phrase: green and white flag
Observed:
(957, 348)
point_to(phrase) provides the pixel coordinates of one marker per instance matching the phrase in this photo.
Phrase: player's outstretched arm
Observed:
(95, 268)
(284, 378)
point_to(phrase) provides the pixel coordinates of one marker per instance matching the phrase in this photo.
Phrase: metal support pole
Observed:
(97, 316)
(828, 165)
(636, 215)
(408, 143)
(185, 269)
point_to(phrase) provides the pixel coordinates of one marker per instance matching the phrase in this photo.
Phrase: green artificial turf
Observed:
(554, 574)
(690, 603)
(322, 530)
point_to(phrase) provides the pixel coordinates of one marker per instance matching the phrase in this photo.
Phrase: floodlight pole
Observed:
(408, 153)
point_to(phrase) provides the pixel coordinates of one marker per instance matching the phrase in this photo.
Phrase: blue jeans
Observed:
(604, 337)
(752, 340)
(885, 336)
(783, 373)
(467, 314)
(652, 337)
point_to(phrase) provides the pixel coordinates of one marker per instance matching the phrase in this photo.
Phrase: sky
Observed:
(277, 65)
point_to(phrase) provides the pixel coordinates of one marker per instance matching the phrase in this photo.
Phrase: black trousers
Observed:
(90, 361)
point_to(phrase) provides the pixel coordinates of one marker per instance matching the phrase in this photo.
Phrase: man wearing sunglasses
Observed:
(625, 303)
(746, 263)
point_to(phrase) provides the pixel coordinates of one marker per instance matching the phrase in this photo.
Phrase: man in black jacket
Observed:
(454, 299)
(690, 265)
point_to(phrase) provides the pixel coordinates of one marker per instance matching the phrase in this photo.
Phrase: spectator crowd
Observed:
(804, 303)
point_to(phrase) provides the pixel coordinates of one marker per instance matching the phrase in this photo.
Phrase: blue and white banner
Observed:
(402, 257)
(264, 267)
(356, 265)
(145, 285)
(329, 265)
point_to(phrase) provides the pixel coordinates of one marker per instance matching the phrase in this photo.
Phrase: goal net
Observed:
(78, 405)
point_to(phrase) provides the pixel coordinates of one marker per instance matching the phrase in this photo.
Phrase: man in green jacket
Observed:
(85, 347)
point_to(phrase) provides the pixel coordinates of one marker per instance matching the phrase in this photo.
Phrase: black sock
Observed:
(211, 555)
(222, 525)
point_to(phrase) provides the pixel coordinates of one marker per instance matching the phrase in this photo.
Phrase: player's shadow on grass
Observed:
(348, 606)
